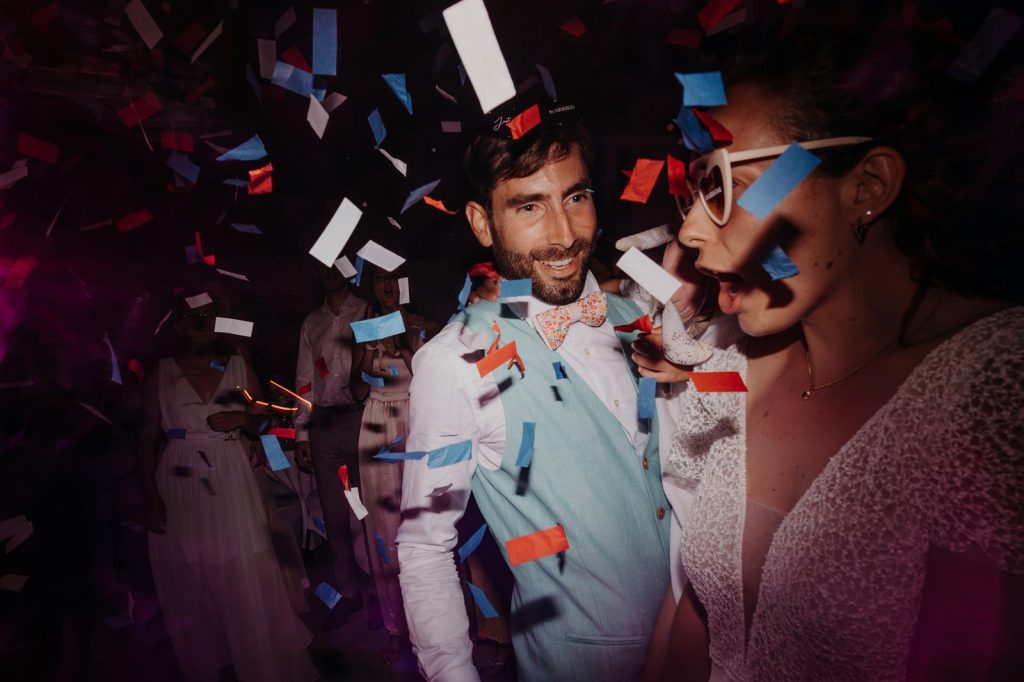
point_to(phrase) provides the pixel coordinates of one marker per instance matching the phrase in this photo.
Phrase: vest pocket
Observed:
(606, 640)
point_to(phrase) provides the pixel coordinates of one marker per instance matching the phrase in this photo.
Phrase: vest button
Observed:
(661, 513)
(647, 464)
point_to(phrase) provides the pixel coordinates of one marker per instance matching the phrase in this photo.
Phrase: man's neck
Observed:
(336, 299)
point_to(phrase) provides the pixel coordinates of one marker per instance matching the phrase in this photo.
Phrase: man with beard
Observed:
(584, 613)
(327, 436)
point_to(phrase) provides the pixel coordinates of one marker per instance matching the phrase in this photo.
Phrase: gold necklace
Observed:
(811, 388)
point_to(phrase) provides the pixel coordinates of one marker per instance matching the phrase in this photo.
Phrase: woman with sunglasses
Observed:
(857, 511)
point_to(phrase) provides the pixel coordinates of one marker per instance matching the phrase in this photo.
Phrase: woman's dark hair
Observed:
(491, 159)
(959, 214)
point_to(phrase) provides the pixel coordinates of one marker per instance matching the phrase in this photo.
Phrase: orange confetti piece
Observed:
(524, 122)
(641, 181)
(209, 260)
(35, 148)
(438, 204)
(138, 111)
(261, 180)
(497, 358)
(718, 382)
(133, 220)
(642, 324)
(719, 133)
(536, 545)
(677, 177)
(343, 475)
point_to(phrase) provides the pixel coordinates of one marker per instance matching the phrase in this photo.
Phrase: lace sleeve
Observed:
(975, 495)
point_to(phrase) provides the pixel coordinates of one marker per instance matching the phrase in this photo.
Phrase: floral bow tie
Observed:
(553, 325)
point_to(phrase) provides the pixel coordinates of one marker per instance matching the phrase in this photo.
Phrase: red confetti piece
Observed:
(136, 368)
(574, 27)
(303, 390)
(718, 382)
(524, 122)
(294, 57)
(19, 272)
(496, 359)
(642, 324)
(641, 181)
(485, 269)
(677, 177)
(438, 204)
(714, 12)
(209, 260)
(181, 142)
(719, 133)
(683, 37)
(536, 545)
(321, 366)
(138, 111)
(35, 148)
(133, 220)
(343, 475)
(261, 180)
(282, 432)
(200, 91)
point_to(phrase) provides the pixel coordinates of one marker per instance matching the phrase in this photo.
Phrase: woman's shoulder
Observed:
(986, 355)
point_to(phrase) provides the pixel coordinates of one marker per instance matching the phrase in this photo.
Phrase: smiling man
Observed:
(585, 613)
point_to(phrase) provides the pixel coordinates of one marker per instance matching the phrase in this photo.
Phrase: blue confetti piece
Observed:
(645, 398)
(378, 327)
(325, 42)
(526, 445)
(235, 182)
(192, 255)
(472, 543)
(467, 286)
(781, 178)
(183, 166)
(419, 193)
(327, 594)
(388, 456)
(376, 382)
(516, 287)
(319, 524)
(176, 434)
(247, 228)
(462, 74)
(392, 370)
(548, 81)
(486, 608)
(292, 79)
(695, 135)
(382, 549)
(359, 271)
(250, 150)
(218, 365)
(559, 370)
(450, 454)
(377, 126)
(396, 81)
(777, 264)
(275, 455)
(702, 89)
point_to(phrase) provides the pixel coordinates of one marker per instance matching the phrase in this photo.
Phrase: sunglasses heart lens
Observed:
(713, 191)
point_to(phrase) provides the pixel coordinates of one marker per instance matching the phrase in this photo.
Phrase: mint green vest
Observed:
(586, 614)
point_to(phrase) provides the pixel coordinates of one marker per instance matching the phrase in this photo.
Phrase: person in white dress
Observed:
(218, 581)
(858, 509)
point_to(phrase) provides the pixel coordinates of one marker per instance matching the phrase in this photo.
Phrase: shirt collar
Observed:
(352, 303)
(530, 306)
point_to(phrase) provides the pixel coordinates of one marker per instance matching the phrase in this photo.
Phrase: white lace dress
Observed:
(941, 464)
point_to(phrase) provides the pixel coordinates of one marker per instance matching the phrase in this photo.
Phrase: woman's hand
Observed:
(489, 290)
(651, 362)
(229, 420)
(155, 513)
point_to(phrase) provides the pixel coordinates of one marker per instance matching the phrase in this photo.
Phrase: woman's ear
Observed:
(479, 222)
(874, 184)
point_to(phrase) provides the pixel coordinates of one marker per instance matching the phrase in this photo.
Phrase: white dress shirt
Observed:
(451, 403)
(329, 336)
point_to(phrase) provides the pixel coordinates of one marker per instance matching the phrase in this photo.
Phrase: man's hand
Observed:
(229, 420)
(689, 299)
(647, 354)
(302, 456)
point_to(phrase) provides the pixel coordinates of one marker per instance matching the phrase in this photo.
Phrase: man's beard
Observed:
(513, 265)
